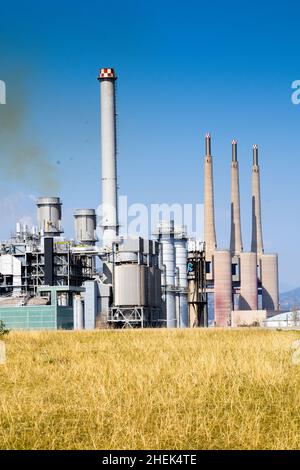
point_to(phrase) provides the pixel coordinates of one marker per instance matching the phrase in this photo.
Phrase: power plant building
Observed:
(51, 282)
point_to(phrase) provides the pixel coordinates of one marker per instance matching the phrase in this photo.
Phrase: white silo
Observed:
(180, 243)
(165, 232)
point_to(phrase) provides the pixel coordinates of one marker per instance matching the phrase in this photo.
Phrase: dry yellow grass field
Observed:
(150, 389)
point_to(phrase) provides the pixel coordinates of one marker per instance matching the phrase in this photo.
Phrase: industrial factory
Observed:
(168, 280)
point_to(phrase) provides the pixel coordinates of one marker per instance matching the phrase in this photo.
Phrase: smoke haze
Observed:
(22, 157)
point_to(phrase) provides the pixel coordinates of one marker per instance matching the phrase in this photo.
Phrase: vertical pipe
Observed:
(236, 233)
(209, 215)
(192, 298)
(166, 238)
(78, 312)
(177, 299)
(181, 264)
(109, 223)
(257, 240)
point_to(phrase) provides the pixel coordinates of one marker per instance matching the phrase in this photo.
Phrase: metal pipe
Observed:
(181, 255)
(255, 155)
(234, 151)
(207, 145)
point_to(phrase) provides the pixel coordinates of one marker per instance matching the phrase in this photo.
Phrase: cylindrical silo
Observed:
(180, 244)
(166, 238)
(248, 276)
(109, 214)
(130, 285)
(269, 281)
(85, 226)
(49, 215)
(222, 287)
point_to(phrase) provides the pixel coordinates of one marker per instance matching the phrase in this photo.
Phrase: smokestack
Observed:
(236, 245)
(107, 78)
(209, 216)
(257, 241)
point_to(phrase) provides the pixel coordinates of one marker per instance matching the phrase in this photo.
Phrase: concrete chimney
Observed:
(107, 78)
(236, 245)
(209, 215)
(257, 240)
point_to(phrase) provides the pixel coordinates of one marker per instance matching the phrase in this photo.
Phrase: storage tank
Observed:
(49, 215)
(223, 287)
(248, 276)
(85, 226)
(269, 281)
(130, 285)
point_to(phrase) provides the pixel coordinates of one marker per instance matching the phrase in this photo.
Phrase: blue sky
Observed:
(184, 68)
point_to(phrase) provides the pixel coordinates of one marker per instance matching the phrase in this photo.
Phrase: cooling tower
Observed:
(236, 234)
(269, 281)
(222, 287)
(209, 215)
(109, 214)
(257, 240)
(248, 276)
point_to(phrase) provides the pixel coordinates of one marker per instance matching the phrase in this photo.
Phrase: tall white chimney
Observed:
(109, 223)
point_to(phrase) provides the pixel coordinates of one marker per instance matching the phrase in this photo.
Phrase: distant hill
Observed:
(290, 299)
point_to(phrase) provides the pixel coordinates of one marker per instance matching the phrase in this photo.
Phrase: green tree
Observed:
(3, 330)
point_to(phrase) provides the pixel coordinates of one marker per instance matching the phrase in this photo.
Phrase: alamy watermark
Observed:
(295, 97)
(2, 92)
(140, 220)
